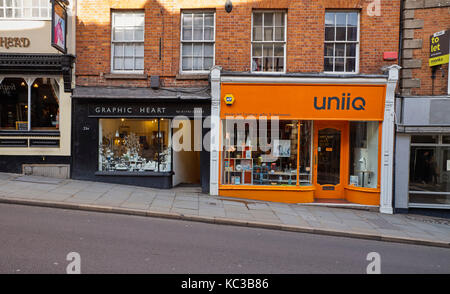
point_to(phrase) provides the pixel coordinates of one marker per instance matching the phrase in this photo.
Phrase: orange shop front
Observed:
(301, 143)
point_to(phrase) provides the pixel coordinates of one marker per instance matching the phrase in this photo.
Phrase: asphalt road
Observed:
(38, 240)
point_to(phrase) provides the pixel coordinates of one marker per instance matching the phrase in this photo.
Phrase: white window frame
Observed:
(213, 41)
(269, 42)
(22, 8)
(357, 42)
(134, 71)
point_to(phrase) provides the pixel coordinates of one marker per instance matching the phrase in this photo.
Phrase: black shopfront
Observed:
(141, 136)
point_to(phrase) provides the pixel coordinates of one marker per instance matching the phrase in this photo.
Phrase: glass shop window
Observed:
(364, 154)
(135, 145)
(259, 154)
(14, 104)
(424, 139)
(305, 169)
(429, 171)
(44, 104)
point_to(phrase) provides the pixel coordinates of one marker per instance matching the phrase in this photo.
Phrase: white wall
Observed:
(186, 164)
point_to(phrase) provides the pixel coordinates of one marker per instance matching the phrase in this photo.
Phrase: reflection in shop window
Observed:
(364, 154)
(13, 104)
(425, 139)
(305, 173)
(44, 104)
(273, 163)
(135, 145)
(429, 179)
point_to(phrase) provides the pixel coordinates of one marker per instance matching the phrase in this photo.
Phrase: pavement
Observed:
(188, 203)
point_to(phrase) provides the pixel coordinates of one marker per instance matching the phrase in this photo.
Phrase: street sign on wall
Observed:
(439, 48)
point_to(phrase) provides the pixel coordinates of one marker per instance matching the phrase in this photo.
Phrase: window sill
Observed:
(126, 76)
(30, 133)
(268, 73)
(192, 76)
(133, 174)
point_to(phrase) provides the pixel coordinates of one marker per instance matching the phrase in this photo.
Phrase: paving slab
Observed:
(53, 196)
(39, 180)
(185, 204)
(184, 211)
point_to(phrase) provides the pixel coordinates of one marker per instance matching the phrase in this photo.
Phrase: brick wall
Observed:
(305, 36)
(421, 19)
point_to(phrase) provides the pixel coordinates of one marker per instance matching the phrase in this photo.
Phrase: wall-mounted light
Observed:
(45, 97)
(22, 84)
(35, 85)
(228, 6)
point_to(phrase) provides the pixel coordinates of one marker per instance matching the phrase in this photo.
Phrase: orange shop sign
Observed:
(306, 101)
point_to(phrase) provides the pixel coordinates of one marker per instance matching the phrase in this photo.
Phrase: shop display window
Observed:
(364, 154)
(305, 162)
(429, 178)
(135, 145)
(14, 104)
(44, 104)
(252, 157)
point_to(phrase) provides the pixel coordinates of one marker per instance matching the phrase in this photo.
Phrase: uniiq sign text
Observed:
(345, 103)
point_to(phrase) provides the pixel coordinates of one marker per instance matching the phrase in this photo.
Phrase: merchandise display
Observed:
(127, 148)
(244, 164)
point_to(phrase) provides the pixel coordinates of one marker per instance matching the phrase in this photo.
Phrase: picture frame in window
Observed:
(59, 26)
(282, 148)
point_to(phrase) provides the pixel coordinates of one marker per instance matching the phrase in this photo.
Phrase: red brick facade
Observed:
(305, 36)
(421, 20)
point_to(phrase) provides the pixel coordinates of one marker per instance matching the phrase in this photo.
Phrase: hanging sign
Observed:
(439, 48)
(59, 26)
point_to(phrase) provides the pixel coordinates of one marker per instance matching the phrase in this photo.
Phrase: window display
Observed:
(252, 157)
(364, 154)
(305, 169)
(135, 145)
(14, 104)
(429, 171)
(44, 104)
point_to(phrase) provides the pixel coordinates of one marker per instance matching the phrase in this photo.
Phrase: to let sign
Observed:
(439, 48)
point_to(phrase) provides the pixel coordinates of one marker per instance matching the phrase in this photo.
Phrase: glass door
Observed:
(329, 159)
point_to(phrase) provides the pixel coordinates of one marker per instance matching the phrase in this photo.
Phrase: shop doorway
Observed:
(186, 162)
(330, 153)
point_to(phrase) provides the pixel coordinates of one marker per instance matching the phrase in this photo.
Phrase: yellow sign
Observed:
(439, 48)
(228, 99)
(439, 60)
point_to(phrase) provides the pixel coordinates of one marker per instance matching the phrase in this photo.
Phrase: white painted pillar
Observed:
(387, 147)
(215, 131)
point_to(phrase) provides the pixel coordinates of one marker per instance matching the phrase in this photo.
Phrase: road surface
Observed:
(38, 240)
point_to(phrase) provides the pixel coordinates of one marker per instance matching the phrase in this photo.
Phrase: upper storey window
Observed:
(269, 41)
(341, 42)
(197, 41)
(25, 9)
(127, 44)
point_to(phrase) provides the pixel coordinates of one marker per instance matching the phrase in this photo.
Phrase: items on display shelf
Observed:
(241, 168)
(120, 152)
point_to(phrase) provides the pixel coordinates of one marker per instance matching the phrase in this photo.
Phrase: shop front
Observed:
(422, 170)
(139, 140)
(35, 90)
(304, 140)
